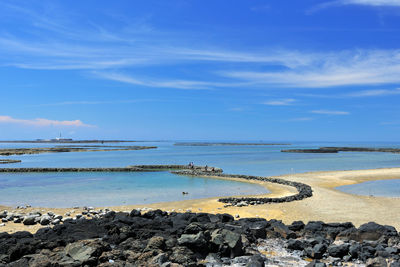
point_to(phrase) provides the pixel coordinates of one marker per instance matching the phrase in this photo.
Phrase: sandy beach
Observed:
(327, 204)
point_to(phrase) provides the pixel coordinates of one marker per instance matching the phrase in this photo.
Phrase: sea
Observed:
(110, 189)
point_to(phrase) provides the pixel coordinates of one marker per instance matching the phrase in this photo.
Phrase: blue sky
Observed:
(238, 70)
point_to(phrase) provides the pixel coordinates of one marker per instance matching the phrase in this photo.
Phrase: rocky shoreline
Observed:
(342, 149)
(159, 238)
(7, 161)
(63, 149)
(64, 141)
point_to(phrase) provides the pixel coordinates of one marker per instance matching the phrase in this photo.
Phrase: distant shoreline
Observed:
(228, 144)
(342, 149)
(66, 141)
(65, 149)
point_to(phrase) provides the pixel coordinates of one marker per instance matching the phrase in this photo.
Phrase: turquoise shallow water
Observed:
(112, 188)
(252, 160)
(380, 188)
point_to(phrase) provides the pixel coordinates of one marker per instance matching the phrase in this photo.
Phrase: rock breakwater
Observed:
(304, 190)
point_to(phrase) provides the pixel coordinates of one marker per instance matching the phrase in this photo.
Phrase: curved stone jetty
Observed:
(304, 190)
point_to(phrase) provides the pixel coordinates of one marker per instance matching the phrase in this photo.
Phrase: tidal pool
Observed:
(381, 188)
(98, 189)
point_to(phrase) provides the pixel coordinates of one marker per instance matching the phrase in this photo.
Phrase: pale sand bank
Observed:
(327, 204)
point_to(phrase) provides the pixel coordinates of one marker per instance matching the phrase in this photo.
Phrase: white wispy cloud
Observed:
(66, 103)
(107, 51)
(361, 67)
(176, 84)
(372, 3)
(330, 112)
(389, 3)
(376, 92)
(280, 102)
(302, 119)
(40, 122)
(357, 94)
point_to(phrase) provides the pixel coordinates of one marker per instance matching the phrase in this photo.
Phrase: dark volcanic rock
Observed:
(190, 239)
(338, 251)
(228, 242)
(370, 231)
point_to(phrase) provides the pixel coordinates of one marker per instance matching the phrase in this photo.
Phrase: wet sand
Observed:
(327, 204)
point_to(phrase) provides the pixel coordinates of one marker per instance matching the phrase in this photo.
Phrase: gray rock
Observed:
(45, 220)
(30, 220)
(256, 261)
(223, 237)
(376, 262)
(316, 252)
(338, 251)
(18, 220)
(195, 241)
(156, 242)
(295, 244)
(84, 250)
(57, 217)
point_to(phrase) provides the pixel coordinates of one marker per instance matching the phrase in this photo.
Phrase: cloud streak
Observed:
(280, 102)
(40, 122)
(358, 94)
(105, 52)
(362, 67)
(371, 3)
(330, 112)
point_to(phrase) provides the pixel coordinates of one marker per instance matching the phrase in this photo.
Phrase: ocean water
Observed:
(252, 160)
(112, 188)
(379, 188)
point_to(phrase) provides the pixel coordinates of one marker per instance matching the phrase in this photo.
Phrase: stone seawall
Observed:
(131, 168)
(304, 191)
(8, 161)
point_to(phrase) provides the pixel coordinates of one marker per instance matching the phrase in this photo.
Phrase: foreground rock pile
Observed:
(48, 218)
(157, 238)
